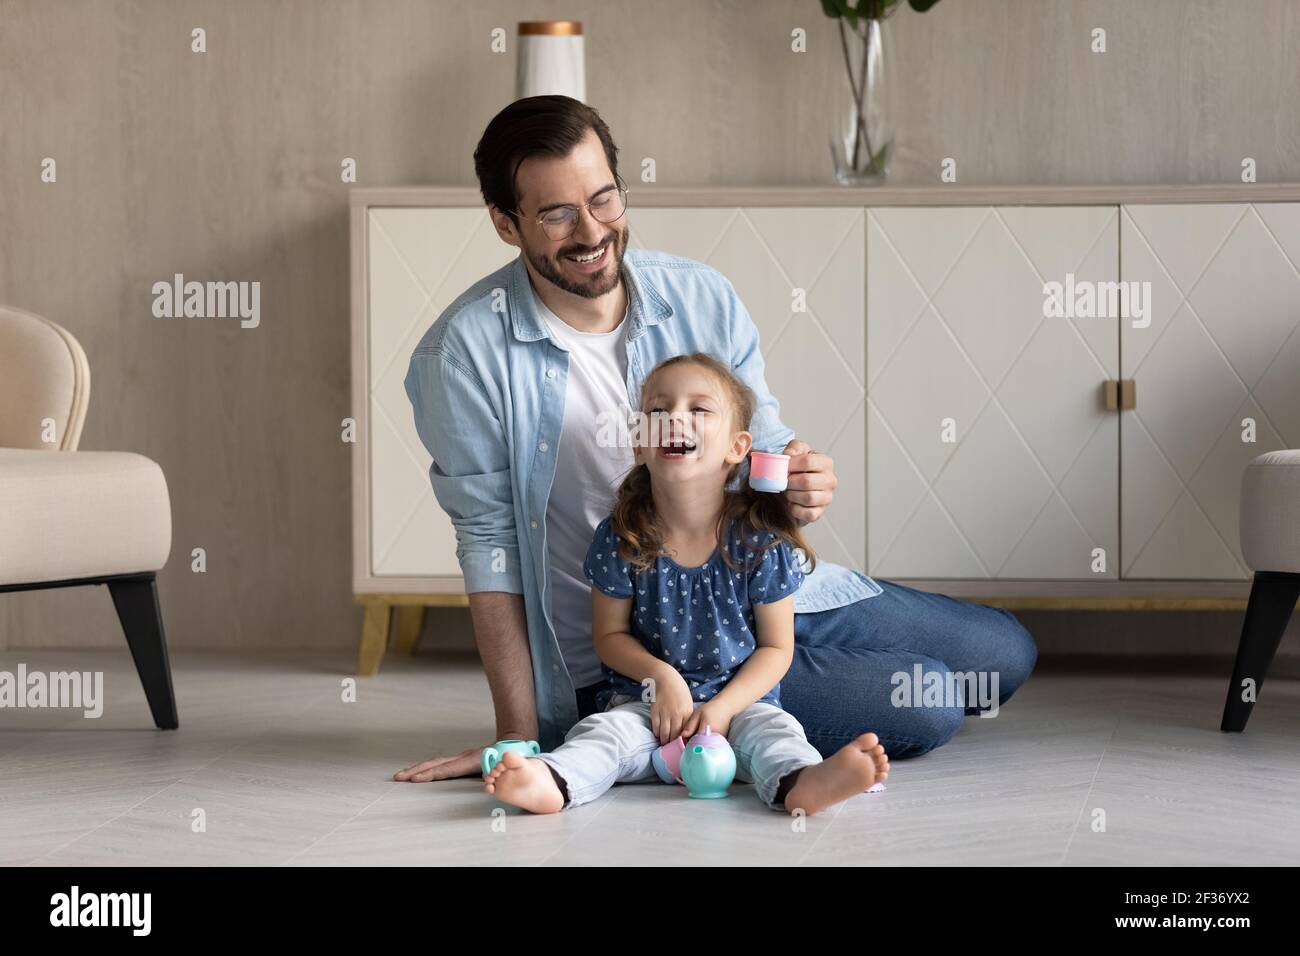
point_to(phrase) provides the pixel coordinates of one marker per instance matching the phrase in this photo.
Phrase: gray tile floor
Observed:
(285, 772)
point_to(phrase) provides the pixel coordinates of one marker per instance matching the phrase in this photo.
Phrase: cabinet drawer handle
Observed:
(1119, 395)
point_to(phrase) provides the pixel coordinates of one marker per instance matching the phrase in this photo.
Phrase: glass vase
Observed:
(862, 140)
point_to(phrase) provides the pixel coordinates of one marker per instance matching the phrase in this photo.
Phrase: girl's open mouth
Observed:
(677, 448)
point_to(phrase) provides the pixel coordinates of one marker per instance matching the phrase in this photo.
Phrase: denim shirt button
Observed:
(533, 523)
(550, 373)
(543, 446)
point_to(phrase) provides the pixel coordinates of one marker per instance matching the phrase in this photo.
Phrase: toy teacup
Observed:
(667, 761)
(768, 471)
(492, 755)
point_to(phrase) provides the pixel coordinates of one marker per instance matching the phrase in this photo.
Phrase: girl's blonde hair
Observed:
(636, 521)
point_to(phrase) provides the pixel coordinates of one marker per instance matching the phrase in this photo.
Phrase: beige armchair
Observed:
(70, 518)
(1270, 543)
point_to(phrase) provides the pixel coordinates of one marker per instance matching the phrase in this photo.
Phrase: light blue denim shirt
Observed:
(487, 385)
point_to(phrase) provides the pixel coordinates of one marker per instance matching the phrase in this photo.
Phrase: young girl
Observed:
(692, 616)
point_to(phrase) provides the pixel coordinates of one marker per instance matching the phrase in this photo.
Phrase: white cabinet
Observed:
(1033, 475)
(1222, 351)
(972, 443)
(797, 270)
(419, 261)
(799, 273)
(990, 454)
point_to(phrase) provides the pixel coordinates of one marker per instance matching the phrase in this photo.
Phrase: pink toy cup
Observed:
(667, 761)
(768, 471)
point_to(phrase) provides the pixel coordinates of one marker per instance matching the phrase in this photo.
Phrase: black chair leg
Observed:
(136, 600)
(1272, 599)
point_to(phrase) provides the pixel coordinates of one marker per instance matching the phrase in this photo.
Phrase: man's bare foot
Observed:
(525, 783)
(850, 770)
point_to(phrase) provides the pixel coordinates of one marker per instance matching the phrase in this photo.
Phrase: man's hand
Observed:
(463, 764)
(501, 633)
(812, 482)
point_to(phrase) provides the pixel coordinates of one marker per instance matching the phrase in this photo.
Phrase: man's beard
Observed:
(594, 286)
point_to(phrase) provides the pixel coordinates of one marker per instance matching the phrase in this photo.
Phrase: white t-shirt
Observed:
(587, 477)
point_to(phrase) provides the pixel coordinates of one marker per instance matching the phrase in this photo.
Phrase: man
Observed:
(513, 387)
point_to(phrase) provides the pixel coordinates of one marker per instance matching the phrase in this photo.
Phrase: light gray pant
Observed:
(616, 746)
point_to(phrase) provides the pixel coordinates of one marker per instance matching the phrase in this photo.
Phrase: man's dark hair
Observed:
(533, 126)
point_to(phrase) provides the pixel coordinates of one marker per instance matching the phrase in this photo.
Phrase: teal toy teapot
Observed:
(708, 765)
(492, 755)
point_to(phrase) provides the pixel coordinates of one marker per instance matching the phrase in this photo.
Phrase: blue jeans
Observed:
(847, 663)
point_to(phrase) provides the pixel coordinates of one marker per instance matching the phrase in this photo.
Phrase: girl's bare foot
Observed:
(524, 783)
(850, 770)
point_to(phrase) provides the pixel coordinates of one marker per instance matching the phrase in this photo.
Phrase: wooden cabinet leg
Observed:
(406, 631)
(374, 638)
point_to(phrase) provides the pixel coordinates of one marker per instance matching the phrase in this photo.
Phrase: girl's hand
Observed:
(714, 715)
(672, 706)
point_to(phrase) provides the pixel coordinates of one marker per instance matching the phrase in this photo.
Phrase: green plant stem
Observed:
(860, 133)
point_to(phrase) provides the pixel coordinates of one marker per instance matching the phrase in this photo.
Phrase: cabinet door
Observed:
(420, 260)
(990, 452)
(1218, 365)
(799, 273)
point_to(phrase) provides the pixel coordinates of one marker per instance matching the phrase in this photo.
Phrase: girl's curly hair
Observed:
(635, 519)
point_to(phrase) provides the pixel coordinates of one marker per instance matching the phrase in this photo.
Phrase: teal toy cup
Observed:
(492, 755)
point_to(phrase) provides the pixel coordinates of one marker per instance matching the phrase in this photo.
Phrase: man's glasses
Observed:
(562, 221)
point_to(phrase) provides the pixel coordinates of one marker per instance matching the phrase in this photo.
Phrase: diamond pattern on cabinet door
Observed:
(814, 358)
(956, 331)
(421, 260)
(1223, 346)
